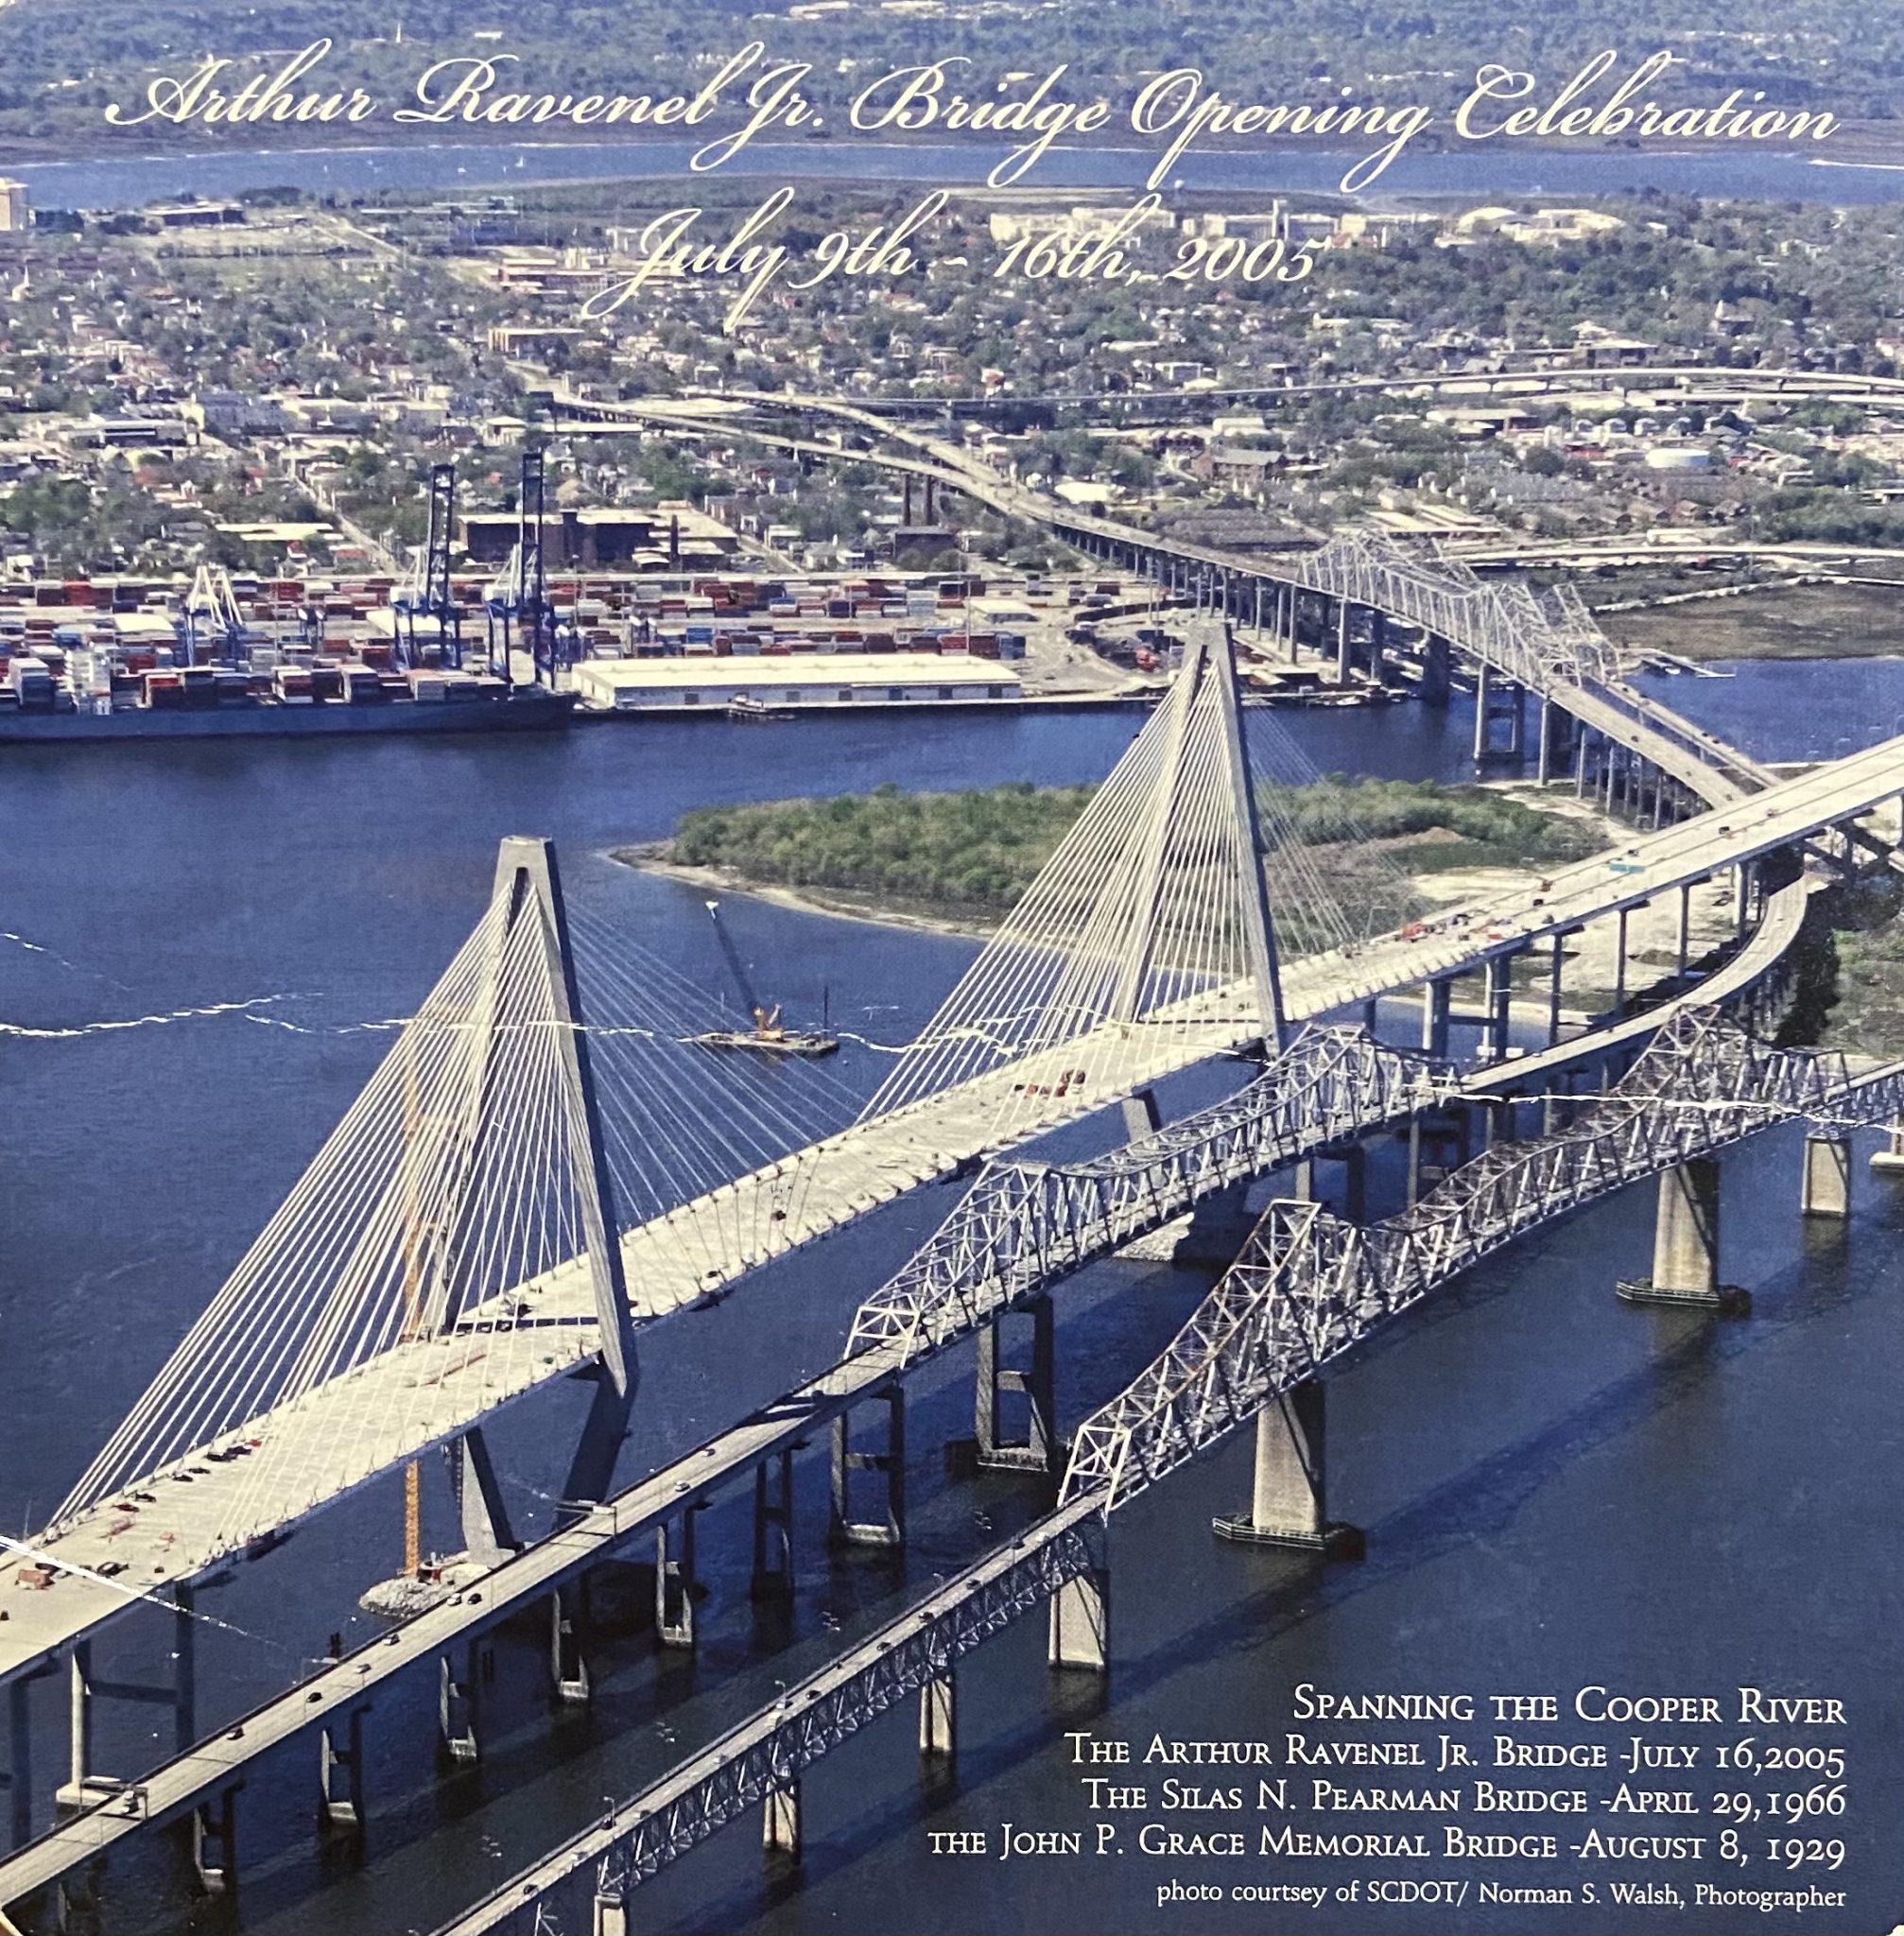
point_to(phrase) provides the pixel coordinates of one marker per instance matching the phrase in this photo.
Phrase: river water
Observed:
(1557, 1489)
(122, 176)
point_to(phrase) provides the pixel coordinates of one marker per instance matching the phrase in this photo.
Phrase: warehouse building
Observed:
(819, 681)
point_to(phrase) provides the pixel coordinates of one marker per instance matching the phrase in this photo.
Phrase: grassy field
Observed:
(1808, 622)
(1867, 1016)
(963, 855)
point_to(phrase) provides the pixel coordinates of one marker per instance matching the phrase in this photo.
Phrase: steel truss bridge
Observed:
(1548, 645)
(1308, 1288)
(1021, 1230)
(341, 1346)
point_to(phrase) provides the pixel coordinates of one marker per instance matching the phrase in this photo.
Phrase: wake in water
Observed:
(78, 1031)
(29, 946)
(40, 1557)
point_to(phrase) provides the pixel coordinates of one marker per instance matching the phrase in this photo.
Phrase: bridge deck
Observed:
(616, 1526)
(343, 1434)
(509, 1588)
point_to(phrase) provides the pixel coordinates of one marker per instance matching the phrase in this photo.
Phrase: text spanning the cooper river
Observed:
(1595, 1795)
(1170, 113)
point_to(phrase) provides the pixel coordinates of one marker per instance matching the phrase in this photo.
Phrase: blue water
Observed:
(120, 176)
(1792, 709)
(1556, 1488)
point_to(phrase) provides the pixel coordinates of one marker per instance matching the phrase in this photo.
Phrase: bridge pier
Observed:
(1484, 699)
(939, 1719)
(1686, 1244)
(1824, 1183)
(674, 1583)
(780, 1821)
(772, 1574)
(1353, 1161)
(1437, 658)
(1555, 983)
(610, 1910)
(1437, 996)
(1142, 1116)
(84, 1787)
(213, 1829)
(1219, 1225)
(1890, 1160)
(1498, 1002)
(1289, 1491)
(76, 1900)
(567, 1662)
(18, 1779)
(457, 1704)
(1344, 653)
(341, 1775)
(1080, 1635)
(890, 1528)
(1037, 1451)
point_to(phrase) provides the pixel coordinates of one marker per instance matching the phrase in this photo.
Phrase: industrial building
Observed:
(820, 681)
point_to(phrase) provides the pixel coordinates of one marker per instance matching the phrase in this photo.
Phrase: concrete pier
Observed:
(1289, 1495)
(1888, 1161)
(341, 1775)
(938, 1719)
(1217, 1229)
(457, 1704)
(1081, 1623)
(1824, 1183)
(1686, 1244)
(780, 1821)
(567, 1662)
(674, 1582)
(215, 1843)
(889, 1528)
(1037, 1450)
(19, 1775)
(773, 1575)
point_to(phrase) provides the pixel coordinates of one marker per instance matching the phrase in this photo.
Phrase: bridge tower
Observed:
(527, 891)
(1205, 685)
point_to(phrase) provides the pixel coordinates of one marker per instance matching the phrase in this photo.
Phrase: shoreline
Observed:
(835, 904)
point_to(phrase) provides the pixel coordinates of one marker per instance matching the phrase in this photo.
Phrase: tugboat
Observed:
(768, 1035)
(744, 706)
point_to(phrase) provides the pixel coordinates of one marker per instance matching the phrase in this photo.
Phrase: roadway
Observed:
(342, 1435)
(518, 1581)
(1691, 756)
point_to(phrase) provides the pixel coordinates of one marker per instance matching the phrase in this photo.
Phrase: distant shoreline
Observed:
(1854, 145)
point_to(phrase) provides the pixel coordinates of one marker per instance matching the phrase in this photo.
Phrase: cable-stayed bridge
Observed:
(449, 1249)
(439, 1258)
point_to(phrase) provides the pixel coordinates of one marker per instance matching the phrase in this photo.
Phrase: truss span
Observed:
(1310, 1287)
(1024, 1225)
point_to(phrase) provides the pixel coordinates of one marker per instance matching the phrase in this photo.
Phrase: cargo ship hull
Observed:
(548, 713)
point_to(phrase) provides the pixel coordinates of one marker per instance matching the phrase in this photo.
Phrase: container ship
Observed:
(123, 658)
(104, 660)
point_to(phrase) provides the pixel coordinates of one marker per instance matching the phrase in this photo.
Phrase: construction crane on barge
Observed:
(768, 1035)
